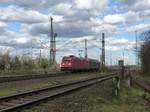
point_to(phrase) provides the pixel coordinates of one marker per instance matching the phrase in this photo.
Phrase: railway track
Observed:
(29, 77)
(18, 101)
(141, 84)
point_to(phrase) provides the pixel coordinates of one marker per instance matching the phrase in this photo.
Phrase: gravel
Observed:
(79, 101)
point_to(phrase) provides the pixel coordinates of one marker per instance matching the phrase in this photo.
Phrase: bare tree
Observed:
(44, 64)
(15, 63)
(145, 52)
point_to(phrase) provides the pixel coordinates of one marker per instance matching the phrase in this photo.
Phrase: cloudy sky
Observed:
(25, 26)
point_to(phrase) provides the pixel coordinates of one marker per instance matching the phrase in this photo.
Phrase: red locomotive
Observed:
(73, 63)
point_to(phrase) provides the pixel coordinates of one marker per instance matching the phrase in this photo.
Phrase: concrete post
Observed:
(116, 86)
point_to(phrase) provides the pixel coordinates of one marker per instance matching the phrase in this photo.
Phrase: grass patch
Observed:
(130, 100)
(26, 72)
(23, 87)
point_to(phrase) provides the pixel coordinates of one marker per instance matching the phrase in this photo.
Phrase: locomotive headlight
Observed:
(62, 64)
(69, 64)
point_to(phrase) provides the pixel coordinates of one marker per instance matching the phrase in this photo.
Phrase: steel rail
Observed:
(141, 85)
(28, 77)
(52, 87)
(52, 92)
(35, 76)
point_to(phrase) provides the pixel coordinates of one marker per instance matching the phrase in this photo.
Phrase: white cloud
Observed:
(63, 9)
(129, 16)
(118, 41)
(96, 21)
(33, 4)
(119, 44)
(116, 18)
(138, 27)
(76, 19)
(12, 13)
(113, 48)
(64, 28)
(2, 24)
(21, 40)
(5, 1)
(91, 4)
(107, 28)
(145, 14)
(115, 44)
(13, 39)
(137, 5)
(56, 18)
(6, 49)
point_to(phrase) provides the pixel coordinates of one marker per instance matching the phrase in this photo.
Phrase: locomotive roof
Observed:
(75, 57)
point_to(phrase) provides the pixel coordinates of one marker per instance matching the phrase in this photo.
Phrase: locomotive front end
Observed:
(66, 64)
